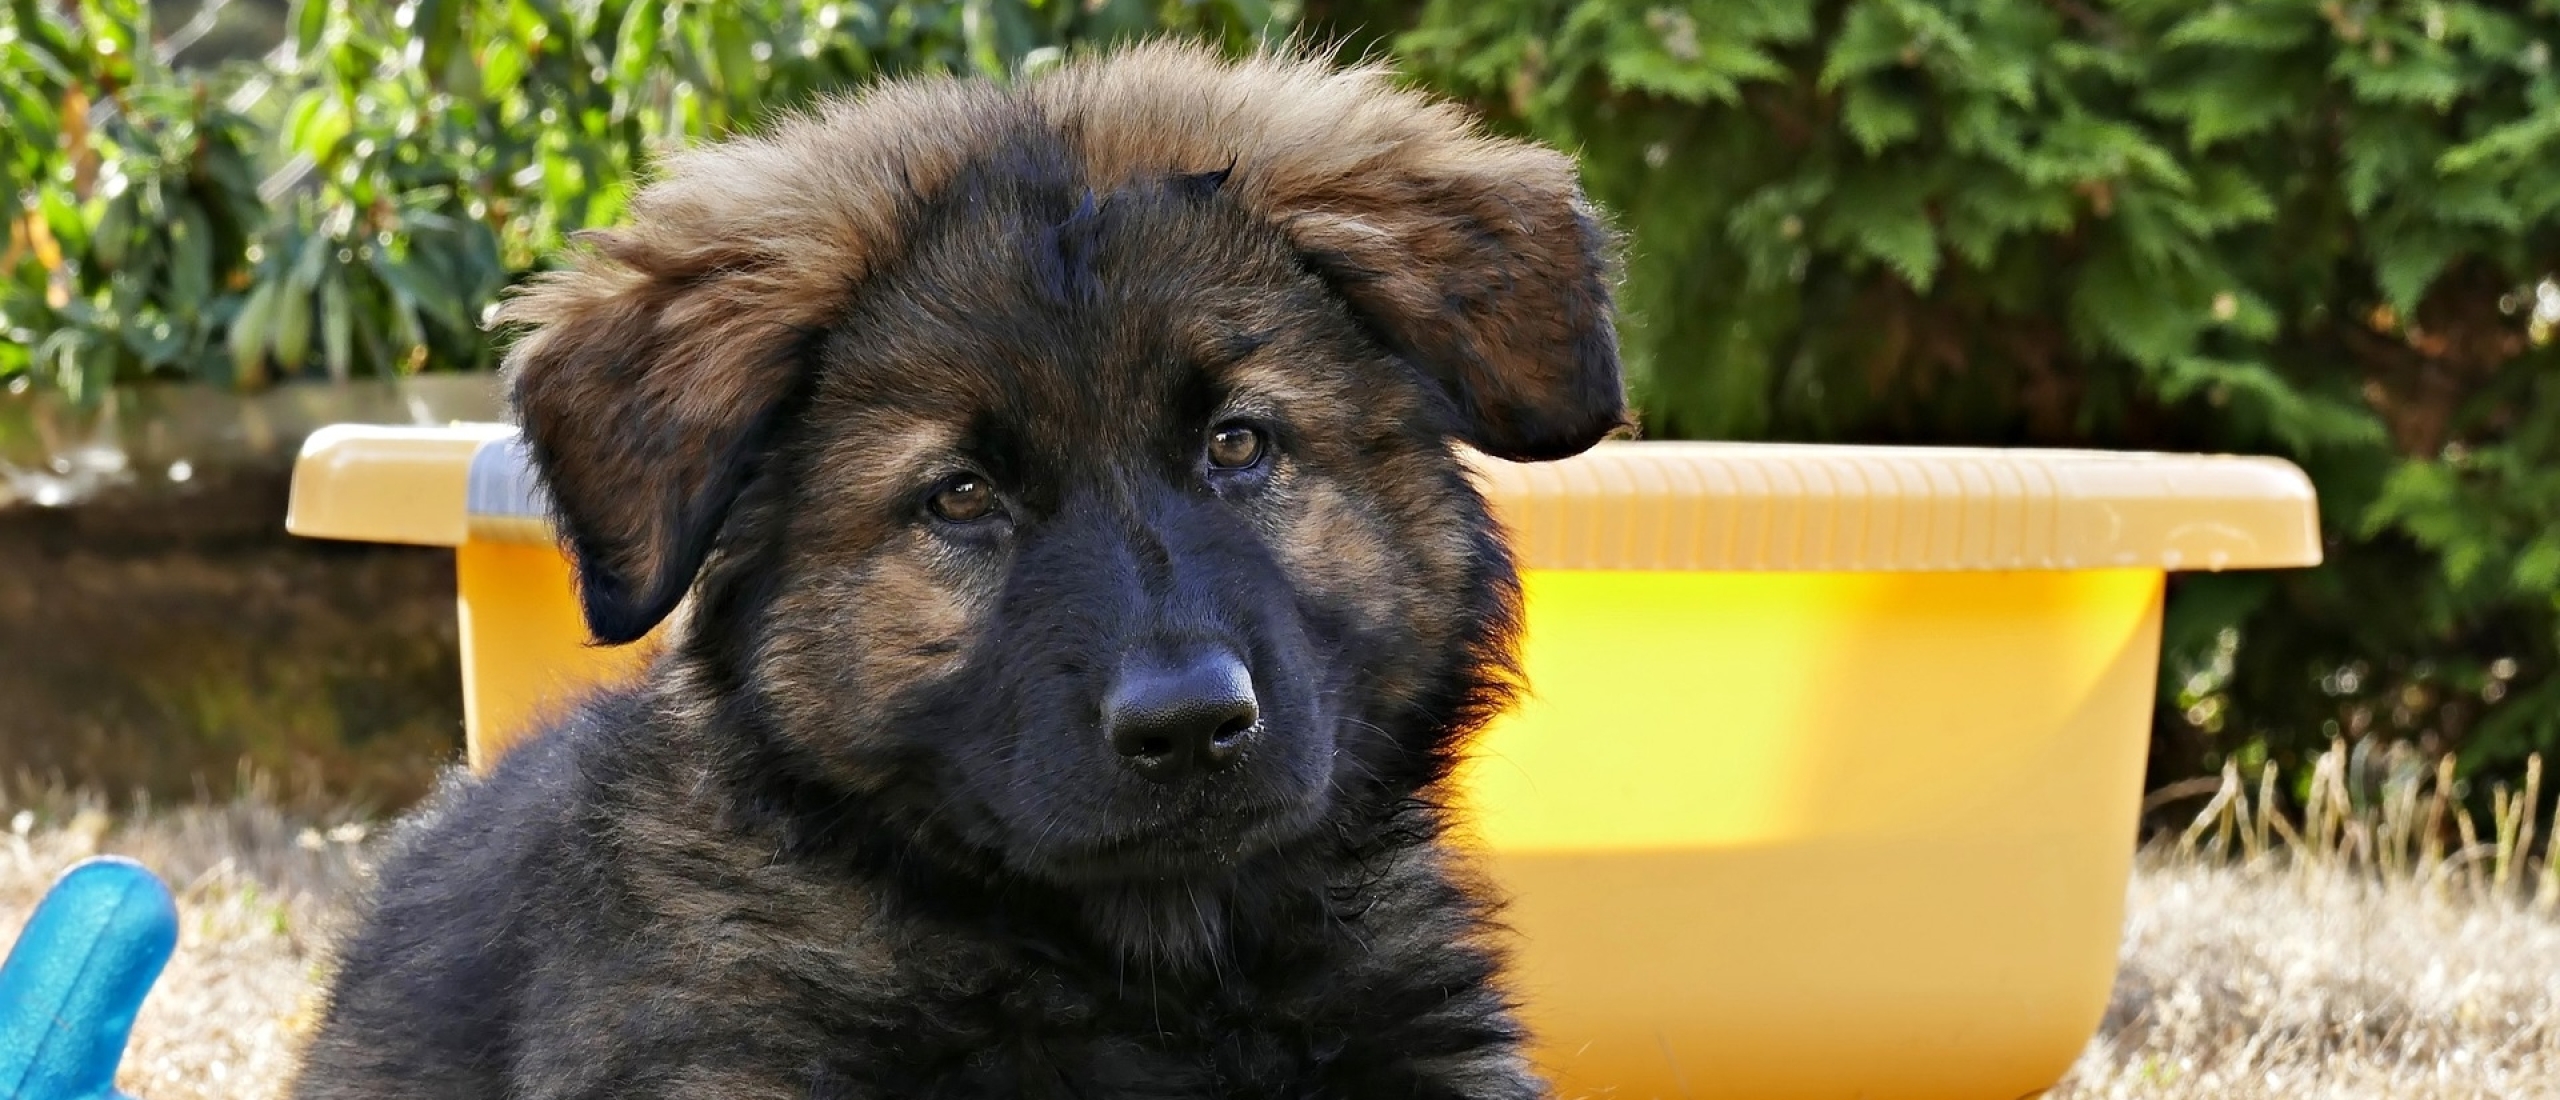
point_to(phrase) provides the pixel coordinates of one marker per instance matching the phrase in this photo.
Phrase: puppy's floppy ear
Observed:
(1475, 257)
(644, 401)
(660, 359)
(1492, 274)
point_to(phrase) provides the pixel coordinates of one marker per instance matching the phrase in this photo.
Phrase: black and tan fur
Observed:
(857, 834)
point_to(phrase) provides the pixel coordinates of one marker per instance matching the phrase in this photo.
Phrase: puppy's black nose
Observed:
(1173, 718)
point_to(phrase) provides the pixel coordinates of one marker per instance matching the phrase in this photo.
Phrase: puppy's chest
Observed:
(1043, 1035)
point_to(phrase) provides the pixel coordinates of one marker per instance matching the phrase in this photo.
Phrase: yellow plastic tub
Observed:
(1828, 784)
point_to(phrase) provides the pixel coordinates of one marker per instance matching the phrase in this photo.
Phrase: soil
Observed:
(174, 642)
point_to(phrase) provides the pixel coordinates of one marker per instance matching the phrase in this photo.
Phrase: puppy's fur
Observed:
(859, 832)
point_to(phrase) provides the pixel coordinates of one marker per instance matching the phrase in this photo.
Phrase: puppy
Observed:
(1084, 598)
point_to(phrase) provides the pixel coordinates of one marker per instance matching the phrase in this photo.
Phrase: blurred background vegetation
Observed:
(2322, 229)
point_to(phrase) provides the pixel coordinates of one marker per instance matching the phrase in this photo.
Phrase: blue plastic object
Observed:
(73, 984)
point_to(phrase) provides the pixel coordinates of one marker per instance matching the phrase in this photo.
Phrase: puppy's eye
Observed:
(1235, 446)
(963, 499)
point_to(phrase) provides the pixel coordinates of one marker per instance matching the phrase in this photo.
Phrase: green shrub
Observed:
(353, 203)
(2325, 229)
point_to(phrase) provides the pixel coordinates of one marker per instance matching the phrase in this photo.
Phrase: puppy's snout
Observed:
(1171, 719)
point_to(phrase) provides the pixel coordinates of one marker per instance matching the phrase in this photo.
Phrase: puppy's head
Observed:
(1069, 471)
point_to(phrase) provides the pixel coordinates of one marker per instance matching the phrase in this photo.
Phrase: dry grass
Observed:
(257, 893)
(2258, 984)
(2377, 944)
(2382, 943)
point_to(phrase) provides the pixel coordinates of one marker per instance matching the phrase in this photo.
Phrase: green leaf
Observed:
(2489, 31)
(310, 23)
(191, 257)
(154, 341)
(2406, 263)
(2228, 100)
(34, 121)
(1869, 39)
(39, 33)
(436, 300)
(2132, 307)
(635, 48)
(2082, 146)
(2382, 74)
(2226, 195)
(1768, 228)
(2528, 141)
(113, 238)
(1877, 117)
(2245, 25)
(236, 189)
(2474, 200)
(436, 28)
(2411, 493)
(734, 42)
(308, 263)
(2251, 315)
(502, 70)
(114, 35)
(1883, 213)
(337, 329)
(63, 219)
(2384, 153)
(1665, 54)
(316, 123)
(2537, 568)
(249, 335)
(291, 321)
(2125, 66)
(1994, 206)
(406, 330)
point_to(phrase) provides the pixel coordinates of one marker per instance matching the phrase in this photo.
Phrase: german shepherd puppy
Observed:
(1083, 599)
